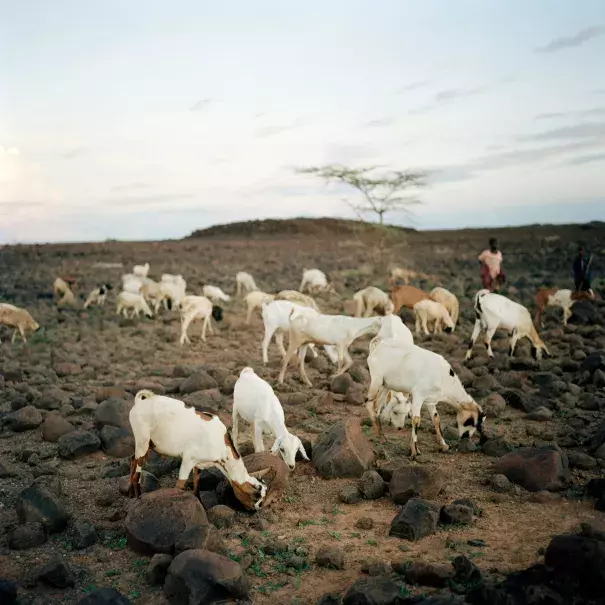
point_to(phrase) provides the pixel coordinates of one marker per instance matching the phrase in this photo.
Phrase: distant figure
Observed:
(582, 275)
(492, 276)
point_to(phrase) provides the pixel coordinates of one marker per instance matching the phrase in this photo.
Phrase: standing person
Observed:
(582, 274)
(492, 276)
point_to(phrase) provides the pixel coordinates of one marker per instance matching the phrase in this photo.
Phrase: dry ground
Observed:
(113, 351)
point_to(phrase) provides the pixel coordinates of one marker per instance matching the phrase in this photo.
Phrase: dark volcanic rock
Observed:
(342, 451)
(8, 592)
(411, 481)
(56, 572)
(496, 447)
(104, 596)
(157, 519)
(341, 384)
(25, 419)
(113, 412)
(199, 576)
(28, 535)
(373, 591)
(416, 520)
(198, 381)
(78, 443)
(456, 514)
(117, 442)
(330, 556)
(535, 469)
(371, 485)
(158, 568)
(37, 504)
(201, 537)
(54, 426)
(83, 535)
(429, 574)
(519, 400)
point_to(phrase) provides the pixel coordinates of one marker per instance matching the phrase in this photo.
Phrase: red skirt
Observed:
(488, 282)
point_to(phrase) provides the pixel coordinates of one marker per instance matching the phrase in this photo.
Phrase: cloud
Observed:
(585, 130)
(201, 104)
(588, 158)
(577, 39)
(129, 186)
(9, 151)
(379, 123)
(452, 94)
(412, 86)
(74, 153)
(584, 113)
(599, 91)
(144, 200)
(269, 131)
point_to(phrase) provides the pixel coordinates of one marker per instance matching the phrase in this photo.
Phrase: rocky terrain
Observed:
(515, 519)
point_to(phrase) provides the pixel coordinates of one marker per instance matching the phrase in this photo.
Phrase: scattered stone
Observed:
(371, 485)
(456, 514)
(199, 576)
(342, 451)
(330, 556)
(465, 570)
(83, 535)
(110, 393)
(341, 384)
(104, 596)
(500, 483)
(25, 419)
(540, 414)
(581, 460)
(37, 504)
(411, 481)
(52, 399)
(221, 516)
(158, 568)
(428, 574)
(57, 573)
(78, 443)
(542, 497)
(7, 469)
(496, 447)
(593, 529)
(149, 483)
(516, 398)
(209, 478)
(8, 592)
(349, 494)
(373, 591)
(156, 520)
(198, 381)
(67, 369)
(364, 523)
(28, 535)
(535, 469)
(466, 446)
(201, 537)
(494, 405)
(113, 412)
(55, 426)
(117, 442)
(208, 499)
(416, 520)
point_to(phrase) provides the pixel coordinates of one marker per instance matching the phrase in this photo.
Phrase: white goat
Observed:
(141, 270)
(297, 297)
(172, 293)
(448, 300)
(245, 283)
(214, 293)
(427, 379)
(372, 298)
(254, 300)
(152, 293)
(434, 312)
(200, 439)
(315, 281)
(98, 296)
(198, 307)
(19, 319)
(132, 283)
(337, 330)
(276, 317)
(255, 401)
(134, 302)
(495, 311)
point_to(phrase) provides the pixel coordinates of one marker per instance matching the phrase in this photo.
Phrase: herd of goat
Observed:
(404, 377)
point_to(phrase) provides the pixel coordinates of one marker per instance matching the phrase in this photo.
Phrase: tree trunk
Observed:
(380, 216)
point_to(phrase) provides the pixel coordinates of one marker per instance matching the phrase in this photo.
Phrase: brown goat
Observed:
(553, 297)
(407, 296)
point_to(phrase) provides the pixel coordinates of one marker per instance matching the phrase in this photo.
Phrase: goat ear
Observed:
(260, 474)
(303, 452)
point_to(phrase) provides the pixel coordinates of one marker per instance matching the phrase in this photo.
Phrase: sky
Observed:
(146, 120)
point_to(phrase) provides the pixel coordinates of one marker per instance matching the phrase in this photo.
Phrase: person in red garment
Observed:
(492, 276)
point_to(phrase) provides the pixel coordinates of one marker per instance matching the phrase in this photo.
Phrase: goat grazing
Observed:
(255, 401)
(297, 297)
(448, 300)
(407, 296)
(254, 300)
(135, 302)
(171, 428)
(370, 299)
(276, 318)
(98, 295)
(427, 379)
(559, 298)
(430, 311)
(141, 270)
(19, 319)
(495, 311)
(245, 283)
(198, 307)
(214, 293)
(62, 289)
(337, 330)
(397, 273)
(315, 281)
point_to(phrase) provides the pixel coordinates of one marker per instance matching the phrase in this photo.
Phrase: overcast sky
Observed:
(148, 119)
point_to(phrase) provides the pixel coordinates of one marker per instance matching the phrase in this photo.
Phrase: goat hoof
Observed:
(445, 448)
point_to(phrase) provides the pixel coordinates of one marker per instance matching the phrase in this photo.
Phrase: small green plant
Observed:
(135, 594)
(371, 543)
(265, 532)
(307, 522)
(112, 572)
(336, 535)
(245, 541)
(271, 586)
(117, 543)
(299, 540)
(290, 499)
(234, 557)
(257, 570)
(404, 591)
(355, 535)
(90, 588)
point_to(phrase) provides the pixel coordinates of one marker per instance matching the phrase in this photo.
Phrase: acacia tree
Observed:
(381, 193)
